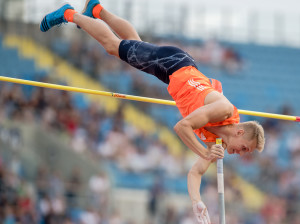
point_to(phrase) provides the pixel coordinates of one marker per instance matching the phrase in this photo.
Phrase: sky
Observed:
(284, 6)
(276, 21)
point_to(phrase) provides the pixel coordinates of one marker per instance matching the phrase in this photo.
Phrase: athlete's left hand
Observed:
(201, 213)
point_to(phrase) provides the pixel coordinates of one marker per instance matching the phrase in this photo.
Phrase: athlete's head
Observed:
(247, 137)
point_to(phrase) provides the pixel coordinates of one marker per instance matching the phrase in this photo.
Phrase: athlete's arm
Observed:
(194, 179)
(219, 110)
(194, 182)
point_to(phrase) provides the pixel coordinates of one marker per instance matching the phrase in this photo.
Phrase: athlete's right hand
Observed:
(216, 152)
(201, 213)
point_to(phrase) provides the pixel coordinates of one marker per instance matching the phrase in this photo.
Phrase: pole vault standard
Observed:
(135, 98)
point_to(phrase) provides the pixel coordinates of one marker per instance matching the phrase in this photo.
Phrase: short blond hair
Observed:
(254, 130)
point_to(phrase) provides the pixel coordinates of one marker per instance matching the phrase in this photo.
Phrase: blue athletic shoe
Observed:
(54, 18)
(88, 9)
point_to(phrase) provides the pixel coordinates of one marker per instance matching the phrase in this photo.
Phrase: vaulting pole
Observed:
(220, 181)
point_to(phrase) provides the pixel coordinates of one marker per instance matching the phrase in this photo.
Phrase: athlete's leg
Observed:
(120, 26)
(100, 32)
(96, 29)
(158, 61)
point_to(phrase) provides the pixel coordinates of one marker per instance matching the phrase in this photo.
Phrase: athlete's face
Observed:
(239, 144)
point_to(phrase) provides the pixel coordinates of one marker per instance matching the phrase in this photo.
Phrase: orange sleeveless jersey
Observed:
(189, 87)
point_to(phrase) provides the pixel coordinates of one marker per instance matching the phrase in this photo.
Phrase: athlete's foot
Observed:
(57, 17)
(92, 9)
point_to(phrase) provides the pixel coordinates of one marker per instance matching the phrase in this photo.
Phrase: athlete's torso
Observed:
(189, 87)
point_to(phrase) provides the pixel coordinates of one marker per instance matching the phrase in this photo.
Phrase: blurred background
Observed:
(82, 159)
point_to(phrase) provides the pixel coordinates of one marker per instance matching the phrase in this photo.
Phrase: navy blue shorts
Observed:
(158, 61)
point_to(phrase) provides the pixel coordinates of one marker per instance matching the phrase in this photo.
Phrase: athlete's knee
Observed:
(112, 47)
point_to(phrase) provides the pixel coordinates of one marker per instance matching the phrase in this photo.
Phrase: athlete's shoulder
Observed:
(217, 85)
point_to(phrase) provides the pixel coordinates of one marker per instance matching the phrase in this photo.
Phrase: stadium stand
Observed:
(284, 153)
